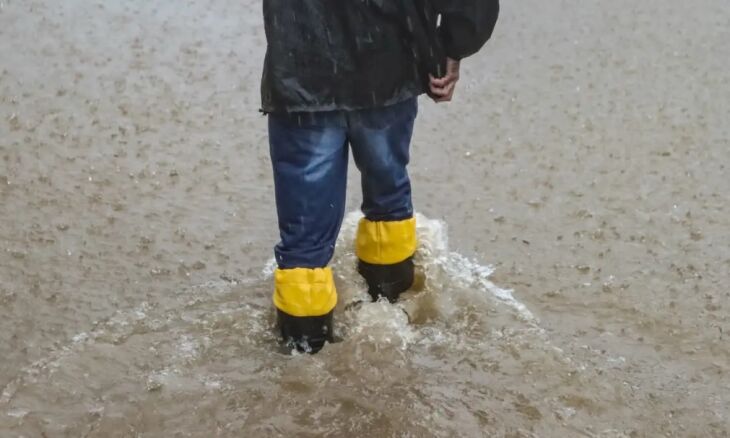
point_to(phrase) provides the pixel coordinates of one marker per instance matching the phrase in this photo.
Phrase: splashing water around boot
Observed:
(213, 347)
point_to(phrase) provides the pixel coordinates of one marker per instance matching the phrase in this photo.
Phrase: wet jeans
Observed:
(309, 154)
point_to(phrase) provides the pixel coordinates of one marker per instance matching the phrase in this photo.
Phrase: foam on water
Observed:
(446, 273)
(450, 276)
(219, 335)
(434, 250)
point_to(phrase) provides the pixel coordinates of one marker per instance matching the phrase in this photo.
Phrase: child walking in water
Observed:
(341, 75)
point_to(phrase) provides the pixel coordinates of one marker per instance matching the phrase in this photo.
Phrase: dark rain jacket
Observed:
(351, 54)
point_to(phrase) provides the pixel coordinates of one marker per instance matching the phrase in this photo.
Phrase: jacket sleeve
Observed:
(466, 25)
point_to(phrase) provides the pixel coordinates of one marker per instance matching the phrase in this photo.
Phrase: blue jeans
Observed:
(309, 154)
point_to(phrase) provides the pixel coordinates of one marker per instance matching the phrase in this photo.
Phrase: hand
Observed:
(442, 89)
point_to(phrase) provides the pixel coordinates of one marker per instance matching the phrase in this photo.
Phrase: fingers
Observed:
(444, 81)
(439, 91)
(443, 94)
(440, 82)
(442, 89)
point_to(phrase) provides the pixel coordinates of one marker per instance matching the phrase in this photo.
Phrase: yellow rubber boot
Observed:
(305, 300)
(385, 251)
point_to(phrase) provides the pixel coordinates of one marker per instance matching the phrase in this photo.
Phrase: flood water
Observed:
(574, 233)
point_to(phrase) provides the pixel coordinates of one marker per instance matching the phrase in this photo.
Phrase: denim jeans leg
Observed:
(309, 156)
(380, 140)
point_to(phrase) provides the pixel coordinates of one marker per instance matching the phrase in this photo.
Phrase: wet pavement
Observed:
(575, 233)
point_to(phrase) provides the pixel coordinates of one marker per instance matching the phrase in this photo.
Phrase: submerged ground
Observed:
(585, 158)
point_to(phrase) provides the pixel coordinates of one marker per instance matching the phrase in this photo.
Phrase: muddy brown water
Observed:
(574, 227)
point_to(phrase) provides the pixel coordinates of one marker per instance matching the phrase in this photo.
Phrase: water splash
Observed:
(449, 276)
(218, 336)
(446, 271)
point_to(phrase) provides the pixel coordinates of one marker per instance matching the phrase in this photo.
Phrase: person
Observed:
(348, 72)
